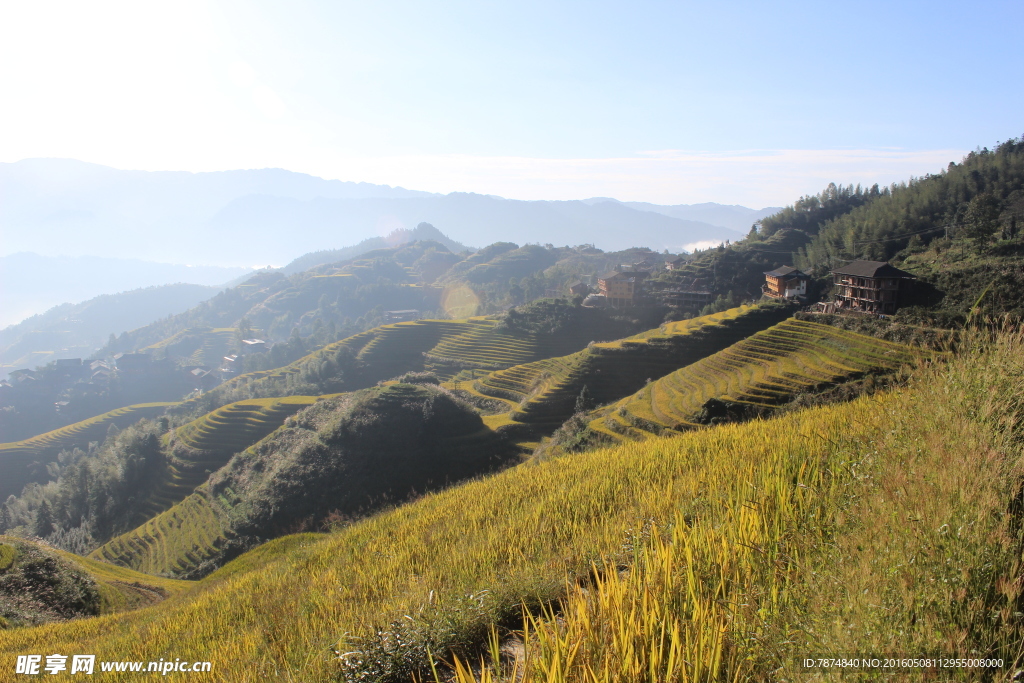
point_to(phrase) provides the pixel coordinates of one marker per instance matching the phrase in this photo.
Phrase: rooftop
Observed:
(872, 269)
(786, 270)
(624, 275)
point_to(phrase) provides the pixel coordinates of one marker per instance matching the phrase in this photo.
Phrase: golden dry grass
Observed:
(885, 524)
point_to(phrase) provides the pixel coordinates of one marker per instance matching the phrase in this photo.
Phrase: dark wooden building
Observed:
(870, 287)
(687, 299)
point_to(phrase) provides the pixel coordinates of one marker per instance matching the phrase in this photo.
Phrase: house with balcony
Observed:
(785, 283)
(870, 287)
(622, 288)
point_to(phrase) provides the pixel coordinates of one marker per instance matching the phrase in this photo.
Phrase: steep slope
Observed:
(758, 373)
(343, 457)
(829, 530)
(543, 394)
(978, 200)
(25, 461)
(445, 347)
(205, 444)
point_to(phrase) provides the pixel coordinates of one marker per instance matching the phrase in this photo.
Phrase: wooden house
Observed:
(785, 283)
(675, 264)
(579, 289)
(621, 288)
(870, 287)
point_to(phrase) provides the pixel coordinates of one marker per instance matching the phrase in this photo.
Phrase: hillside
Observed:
(424, 232)
(340, 458)
(541, 395)
(879, 525)
(978, 200)
(751, 377)
(25, 461)
(959, 231)
(230, 418)
(39, 585)
(79, 330)
(445, 347)
(298, 314)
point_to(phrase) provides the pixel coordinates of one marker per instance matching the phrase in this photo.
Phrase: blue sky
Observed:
(673, 102)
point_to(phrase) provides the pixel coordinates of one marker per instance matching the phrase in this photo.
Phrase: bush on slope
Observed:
(39, 584)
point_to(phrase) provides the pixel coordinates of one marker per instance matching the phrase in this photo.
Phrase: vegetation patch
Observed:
(38, 587)
(25, 461)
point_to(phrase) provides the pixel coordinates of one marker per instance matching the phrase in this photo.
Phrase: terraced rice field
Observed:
(408, 342)
(399, 347)
(178, 539)
(236, 426)
(762, 371)
(444, 347)
(198, 347)
(16, 457)
(541, 395)
(181, 527)
(211, 440)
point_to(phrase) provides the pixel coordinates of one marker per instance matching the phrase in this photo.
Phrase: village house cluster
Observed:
(870, 287)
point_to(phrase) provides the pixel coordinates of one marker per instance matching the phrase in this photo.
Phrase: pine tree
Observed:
(44, 521)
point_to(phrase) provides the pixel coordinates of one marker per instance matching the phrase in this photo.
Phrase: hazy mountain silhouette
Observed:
(732, 216)
(422, 232)
(271, 216)
(32, 283)
(78, 330)
(63, 206)
(471, 219)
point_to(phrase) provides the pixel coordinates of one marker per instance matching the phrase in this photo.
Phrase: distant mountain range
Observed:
(423, 232)
(272, 216)
(32, 283)
(77, 330)
(731, 216)
(70, 230)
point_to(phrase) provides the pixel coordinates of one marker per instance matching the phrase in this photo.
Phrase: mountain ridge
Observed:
(262, 216)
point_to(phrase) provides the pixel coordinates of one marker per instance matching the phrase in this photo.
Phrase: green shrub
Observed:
(7, 555)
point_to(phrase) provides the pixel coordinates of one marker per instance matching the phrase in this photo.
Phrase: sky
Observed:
(748, 103)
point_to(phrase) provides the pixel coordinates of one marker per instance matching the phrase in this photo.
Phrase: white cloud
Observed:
(700, 246)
